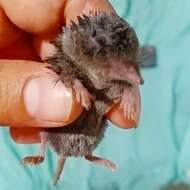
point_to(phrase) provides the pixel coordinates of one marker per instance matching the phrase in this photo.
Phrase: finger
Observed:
(14, 43)
(116, 115)
(72, 9)
(41, 17)
(30, 98)
(21, 49)
(9, 33)
(75, 8)
(25, 135)
(43, 47)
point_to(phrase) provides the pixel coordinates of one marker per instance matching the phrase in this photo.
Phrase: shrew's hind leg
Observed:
(102, 162)
(59, 169)
(34, 160)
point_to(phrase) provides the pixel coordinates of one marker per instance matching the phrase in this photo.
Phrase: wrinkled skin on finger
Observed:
(45, 22)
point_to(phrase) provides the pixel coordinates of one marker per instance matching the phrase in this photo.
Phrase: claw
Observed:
(82, 95)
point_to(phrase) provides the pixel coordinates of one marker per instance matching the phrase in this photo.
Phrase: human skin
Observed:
(25, 33)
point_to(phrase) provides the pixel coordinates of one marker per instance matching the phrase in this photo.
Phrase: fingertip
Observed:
(48, 102)
(43, 47)
(25, 135)
(22, 49)
(98, 5)
(45, 22)
(121, 119)
(75, 8)
(33, 98)
(9, 33)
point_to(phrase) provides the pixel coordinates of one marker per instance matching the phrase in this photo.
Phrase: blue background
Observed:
(155, 154)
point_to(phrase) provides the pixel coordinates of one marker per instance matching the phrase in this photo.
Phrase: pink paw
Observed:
(128, 104)
(82, 95)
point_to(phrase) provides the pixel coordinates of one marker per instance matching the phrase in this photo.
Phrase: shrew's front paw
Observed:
(128, 104)
(82, 94)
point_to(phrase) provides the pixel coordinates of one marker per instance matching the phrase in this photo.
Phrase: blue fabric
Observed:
(155, 154)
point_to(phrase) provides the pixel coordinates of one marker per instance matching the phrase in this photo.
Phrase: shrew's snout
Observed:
(133, 76)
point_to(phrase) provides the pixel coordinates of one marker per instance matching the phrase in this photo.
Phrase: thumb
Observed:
(29, 96)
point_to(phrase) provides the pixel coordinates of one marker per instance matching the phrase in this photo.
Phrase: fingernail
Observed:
(46, 100)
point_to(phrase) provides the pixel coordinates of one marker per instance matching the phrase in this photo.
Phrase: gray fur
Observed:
(84, 51)
(79, 138)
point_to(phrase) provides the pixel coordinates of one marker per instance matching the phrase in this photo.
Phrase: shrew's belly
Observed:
(79, 138)
(73, 144)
